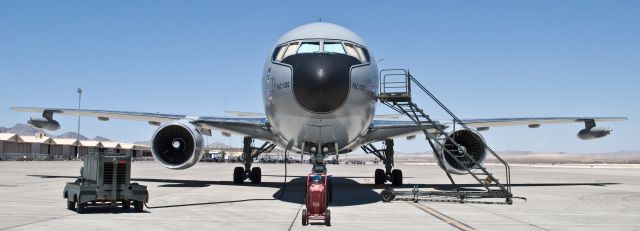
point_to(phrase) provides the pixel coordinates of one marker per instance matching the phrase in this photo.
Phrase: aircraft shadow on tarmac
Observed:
(346, 192)
(351, 177)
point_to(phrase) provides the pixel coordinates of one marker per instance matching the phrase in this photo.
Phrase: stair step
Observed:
(401, 81)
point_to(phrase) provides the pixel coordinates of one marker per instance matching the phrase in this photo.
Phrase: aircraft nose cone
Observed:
(321, 80)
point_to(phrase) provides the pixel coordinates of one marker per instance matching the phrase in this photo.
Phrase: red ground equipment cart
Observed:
(317, 199)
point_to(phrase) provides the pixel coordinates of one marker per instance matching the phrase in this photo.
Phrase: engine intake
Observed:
(469, 140)
(177, 145)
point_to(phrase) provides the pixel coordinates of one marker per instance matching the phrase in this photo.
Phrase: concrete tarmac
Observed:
(578, 197)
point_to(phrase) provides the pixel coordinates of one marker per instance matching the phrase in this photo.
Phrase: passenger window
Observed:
(309, 47)
(334, 47)
(291, 50)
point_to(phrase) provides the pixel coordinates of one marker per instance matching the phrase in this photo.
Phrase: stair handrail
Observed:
(386, 73)
(457, 120)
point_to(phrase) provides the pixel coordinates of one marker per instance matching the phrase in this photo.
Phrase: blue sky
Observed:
(484, 59)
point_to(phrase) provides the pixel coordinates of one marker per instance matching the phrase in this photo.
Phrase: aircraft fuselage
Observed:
(321, 95)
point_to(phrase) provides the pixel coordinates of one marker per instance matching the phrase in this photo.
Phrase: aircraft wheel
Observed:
(256, 175)
(379, 177)
(305, 219)
(238, 174)
(396, 176)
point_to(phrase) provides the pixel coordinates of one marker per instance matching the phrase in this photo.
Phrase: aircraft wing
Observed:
(535, 122)
(255, 127)
(384, 129)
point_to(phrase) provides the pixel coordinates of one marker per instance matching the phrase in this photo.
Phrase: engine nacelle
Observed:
(469, 140)
(593, 133)
(177, 145)
(44, 123)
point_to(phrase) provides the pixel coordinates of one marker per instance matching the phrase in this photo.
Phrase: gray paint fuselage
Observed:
(294, 124)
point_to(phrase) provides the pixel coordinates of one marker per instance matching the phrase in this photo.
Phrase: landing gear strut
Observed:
(386, 155)
(249, 152)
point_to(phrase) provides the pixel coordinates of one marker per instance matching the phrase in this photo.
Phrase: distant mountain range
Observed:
(22, 129)
(219, 145)
(71, 135)
(28, 130)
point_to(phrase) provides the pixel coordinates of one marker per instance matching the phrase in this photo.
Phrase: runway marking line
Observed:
(295, 217)
(511, 218)
(453, 222)
(35, 222)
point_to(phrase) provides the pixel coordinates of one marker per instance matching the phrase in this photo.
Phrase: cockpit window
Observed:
(291, 50)
(333, 47)
(351, 50)
(338, 47)
(309, 47)
(357, 52)
(364, 55)
(279, 53)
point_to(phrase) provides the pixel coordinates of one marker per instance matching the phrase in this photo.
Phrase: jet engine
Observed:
(44, 123)
(177, 145)
(593, 133)
(469, 140)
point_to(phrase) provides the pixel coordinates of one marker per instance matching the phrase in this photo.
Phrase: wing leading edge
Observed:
(384, 129)
(255, 127)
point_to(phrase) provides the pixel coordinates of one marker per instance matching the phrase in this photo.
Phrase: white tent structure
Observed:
(40, 146)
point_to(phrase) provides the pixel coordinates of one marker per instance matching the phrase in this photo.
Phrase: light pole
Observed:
(78, 145)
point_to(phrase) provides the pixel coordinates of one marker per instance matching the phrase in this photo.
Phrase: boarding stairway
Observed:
(395, 92)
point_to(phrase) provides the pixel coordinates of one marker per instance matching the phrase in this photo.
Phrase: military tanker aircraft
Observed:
(320, 89)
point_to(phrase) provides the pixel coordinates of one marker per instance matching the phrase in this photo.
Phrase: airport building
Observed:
(42, 147)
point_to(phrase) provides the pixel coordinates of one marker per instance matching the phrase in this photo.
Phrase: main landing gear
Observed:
(386, 155)
(249, 152)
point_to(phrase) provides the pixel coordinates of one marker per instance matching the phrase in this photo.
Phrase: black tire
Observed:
(330, 190)
(138, 206)
(387, 195)
(238, 175)
(81, 207)
(379, 177)
(305, 219)
(327, 218)
(71, 205)
(256, 175)
(126, 204)
(396, 176)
